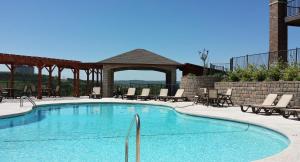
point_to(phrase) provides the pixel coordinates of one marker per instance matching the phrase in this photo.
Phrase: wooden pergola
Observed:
(12, 60)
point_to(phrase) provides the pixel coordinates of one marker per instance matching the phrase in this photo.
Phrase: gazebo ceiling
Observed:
(140, 57)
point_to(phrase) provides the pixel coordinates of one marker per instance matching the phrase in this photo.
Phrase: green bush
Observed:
(291, 73)
(260, 74)
(275, 72)
(235, 75)
(248, 73)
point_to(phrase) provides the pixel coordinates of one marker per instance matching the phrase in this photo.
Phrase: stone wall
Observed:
(255, 92)
(191, 84)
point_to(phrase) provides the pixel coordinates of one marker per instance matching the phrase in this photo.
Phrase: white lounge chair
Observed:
(96, 93)
(178, 95)
(163, 94)
(130, 93)
(269, 101)
(281, 105)
(145, 94)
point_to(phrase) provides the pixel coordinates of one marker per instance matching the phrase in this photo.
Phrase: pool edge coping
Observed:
(281, 156)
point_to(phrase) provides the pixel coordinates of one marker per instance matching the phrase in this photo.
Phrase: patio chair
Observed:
(96, 93)
(145, 94)
(130, 93)
(213, 97)
(227, 98)
(3, 93)
(295, 111)
(282, 105)
(269, 101)
(33, 91)
(55, 92)
(25, 91)
(163, 95)
(177, 96)
(201, 96)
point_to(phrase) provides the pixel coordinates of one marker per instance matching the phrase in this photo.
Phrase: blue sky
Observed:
(93, 30)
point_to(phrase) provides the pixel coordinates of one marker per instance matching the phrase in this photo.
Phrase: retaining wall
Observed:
(255, 92)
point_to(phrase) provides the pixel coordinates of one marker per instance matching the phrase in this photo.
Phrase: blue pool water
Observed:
(96, 132)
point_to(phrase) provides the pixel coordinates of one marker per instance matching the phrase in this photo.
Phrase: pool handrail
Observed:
(28, 98)
(135, 120)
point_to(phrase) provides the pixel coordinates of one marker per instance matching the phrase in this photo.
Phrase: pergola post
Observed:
(97, 77)
(39, 87)
(49, 85)
(60, 69)
(93, 77)
(74, 82)
(87, 81)
(11, 79)
(77, 83)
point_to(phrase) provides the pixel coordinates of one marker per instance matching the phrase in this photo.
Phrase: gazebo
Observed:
(138, 59)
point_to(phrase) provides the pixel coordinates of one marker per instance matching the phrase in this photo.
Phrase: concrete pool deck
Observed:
(288, 127)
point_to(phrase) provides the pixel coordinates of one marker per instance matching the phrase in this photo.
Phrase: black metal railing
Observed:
(220, 66)
(293, 8)
(262, 59)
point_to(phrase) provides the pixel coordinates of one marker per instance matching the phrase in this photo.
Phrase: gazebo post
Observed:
(39, 87)
(60, 69)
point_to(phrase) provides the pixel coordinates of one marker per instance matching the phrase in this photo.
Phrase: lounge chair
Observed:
(96, 93)
(213, 97)
(145, 94)
(178, 95)
(3, 93)
(130, 93)
(269, 101)
(55, 92)
(295, 111)
(227, 98)
(33, 91)
(163, 95)
(282, 104)
(201, 96)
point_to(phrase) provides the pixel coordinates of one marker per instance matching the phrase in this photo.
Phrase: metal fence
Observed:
(262, 59)
(293, 8)
(220, 66)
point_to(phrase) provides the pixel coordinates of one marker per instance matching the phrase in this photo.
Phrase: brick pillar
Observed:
(278, 31)
(108, 82)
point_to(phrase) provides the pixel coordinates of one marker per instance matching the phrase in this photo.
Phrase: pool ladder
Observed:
(28, 98)
(135, 120)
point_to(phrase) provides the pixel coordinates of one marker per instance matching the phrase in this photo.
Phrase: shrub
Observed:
(260, 74)
(235, 75)
(291, 73)
(275, 72)
(247, 74)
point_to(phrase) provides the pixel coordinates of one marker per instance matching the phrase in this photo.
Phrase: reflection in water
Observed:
(34, 116)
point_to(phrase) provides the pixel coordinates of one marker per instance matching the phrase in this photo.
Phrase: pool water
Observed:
(96, 132)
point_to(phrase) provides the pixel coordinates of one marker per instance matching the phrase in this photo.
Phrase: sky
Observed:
(92, 30)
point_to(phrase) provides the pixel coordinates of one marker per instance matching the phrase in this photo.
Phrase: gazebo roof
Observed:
(141, 57)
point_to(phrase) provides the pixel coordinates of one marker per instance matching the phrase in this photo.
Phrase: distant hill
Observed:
(140, 82)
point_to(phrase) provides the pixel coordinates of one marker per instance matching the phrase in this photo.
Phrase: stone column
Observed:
(278, 31)
(108, 81)
(171, 81)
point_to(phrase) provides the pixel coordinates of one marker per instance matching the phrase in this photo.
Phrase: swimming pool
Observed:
(96, 132)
